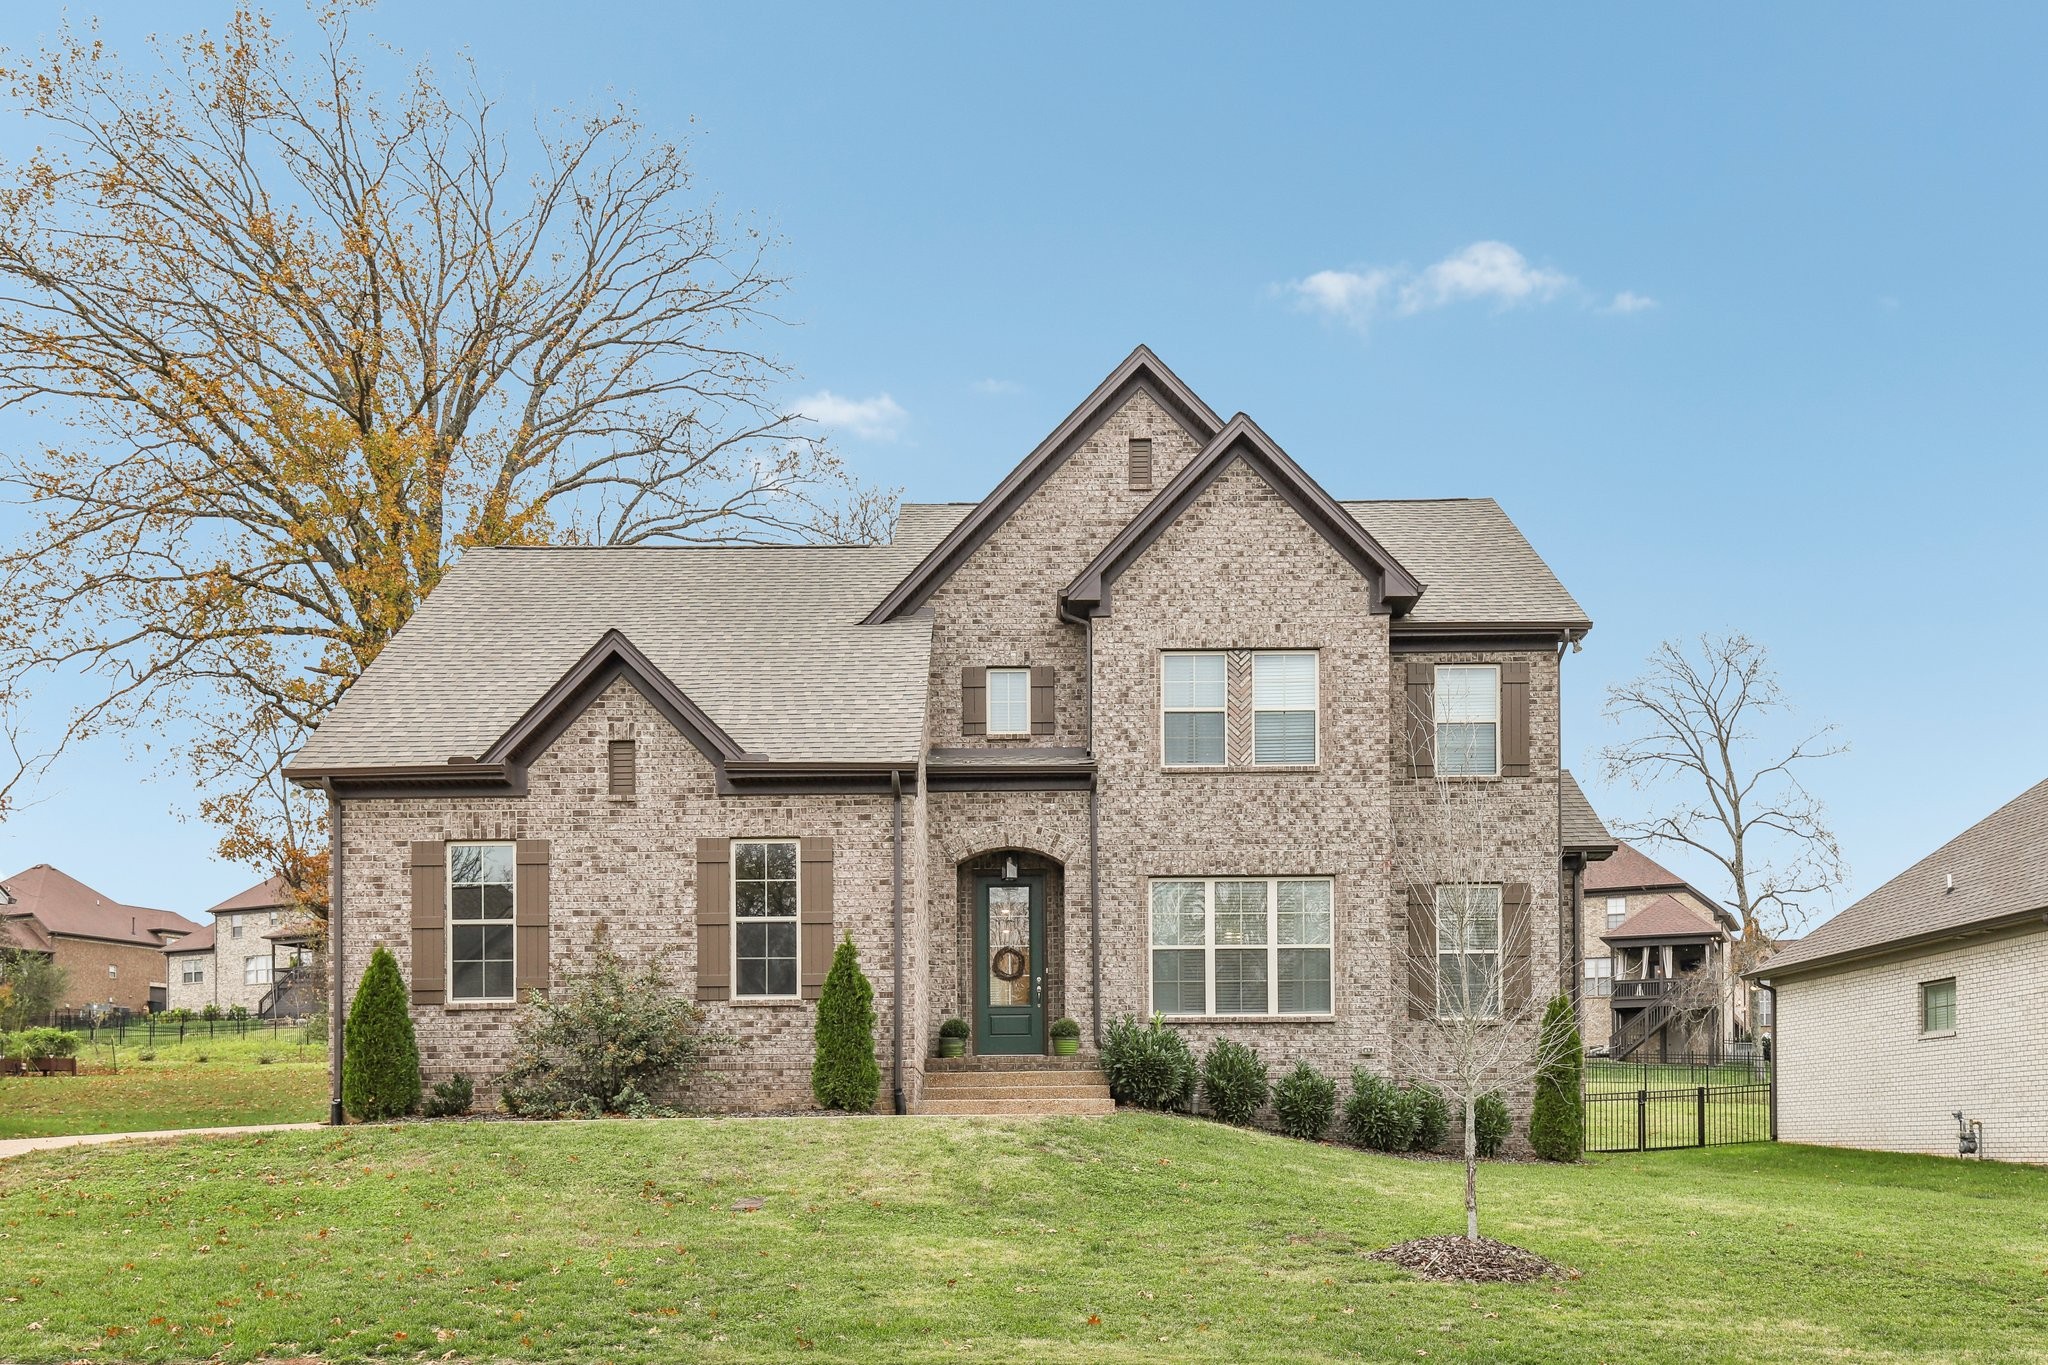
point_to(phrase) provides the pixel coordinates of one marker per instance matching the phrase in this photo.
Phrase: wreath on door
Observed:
(1007, 964)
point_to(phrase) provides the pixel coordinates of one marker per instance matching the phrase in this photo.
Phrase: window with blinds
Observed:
(1284, 708)
(1938, 1006)
(1009, 701)
(1192, 706)
(1241, 946)
(1468, 952)
(1468, 720)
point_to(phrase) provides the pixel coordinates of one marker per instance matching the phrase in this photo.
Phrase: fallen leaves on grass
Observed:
(1472, 1260)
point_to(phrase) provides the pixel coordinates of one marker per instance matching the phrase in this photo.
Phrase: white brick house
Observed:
(1927, 997)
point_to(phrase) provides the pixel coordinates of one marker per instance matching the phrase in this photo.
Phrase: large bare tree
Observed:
(288, 345)
(1708, 728)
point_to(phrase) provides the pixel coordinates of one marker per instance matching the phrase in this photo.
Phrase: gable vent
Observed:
(623, 775)
(1141, 464)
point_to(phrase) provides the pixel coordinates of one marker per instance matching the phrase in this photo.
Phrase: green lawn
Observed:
(1138, 1237)
(118, 1092)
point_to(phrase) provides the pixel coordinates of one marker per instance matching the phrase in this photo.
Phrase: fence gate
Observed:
(1654, 1106)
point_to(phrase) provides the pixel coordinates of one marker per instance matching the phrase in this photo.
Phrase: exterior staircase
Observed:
(1015, 1087)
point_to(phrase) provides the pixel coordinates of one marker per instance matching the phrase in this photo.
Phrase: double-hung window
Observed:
(1284, 708)
(1009, 701)
(1599, 976)
(1192, 702)
(235, 927)
(1938, 1006)
(256, 970)
(1240, 945)
(1617, 911)
(194, 973)
(1468, 952)
(764, 908)
(480, 922)
(1468, 720)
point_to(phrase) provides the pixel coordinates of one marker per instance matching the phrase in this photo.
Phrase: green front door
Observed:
(1009, 966)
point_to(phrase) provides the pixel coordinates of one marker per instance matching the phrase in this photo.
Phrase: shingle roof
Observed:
(1664, 917)
(2000, 866)
(1476, 567)
(63, 905)
(21, 931)
(265, 895)
(1630, 869)
(1579, 827)
(199, 941)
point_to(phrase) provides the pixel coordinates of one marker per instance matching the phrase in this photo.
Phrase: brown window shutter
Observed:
(1420, 967)
(623, 767)
(530, 917)
(974, 701)
(814, 942)
(1042, 678)
(1514, 947)
(429, 922)
(1141, 464)
(1421, 727)
(714, 919)
(1514, 719)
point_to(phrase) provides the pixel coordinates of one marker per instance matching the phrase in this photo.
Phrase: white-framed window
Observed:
(235, 927)
(1284, 707)
(1009, 701)
(1468, 952)
(1191, 705)
(256, 970)
(1599, 976)
(1938, 1006)
(1241, 945)
(764, 911)
(192, 973)
(480, 922)
(1468, 720)
(1617, 911)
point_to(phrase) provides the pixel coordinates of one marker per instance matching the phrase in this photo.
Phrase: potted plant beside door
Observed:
(953, 1035)
(1066, 1037)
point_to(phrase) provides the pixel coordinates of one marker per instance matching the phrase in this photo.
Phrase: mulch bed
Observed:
(1461, 1260)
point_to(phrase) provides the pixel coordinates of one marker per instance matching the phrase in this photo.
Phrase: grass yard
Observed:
(1139, 1237)
(117, 1092)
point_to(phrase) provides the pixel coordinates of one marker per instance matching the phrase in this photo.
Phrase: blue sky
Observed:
(1758, 344)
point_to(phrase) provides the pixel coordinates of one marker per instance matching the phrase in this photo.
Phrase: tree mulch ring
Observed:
(1471, 1260)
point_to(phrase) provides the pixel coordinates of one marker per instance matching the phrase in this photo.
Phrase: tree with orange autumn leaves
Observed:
(292, 345)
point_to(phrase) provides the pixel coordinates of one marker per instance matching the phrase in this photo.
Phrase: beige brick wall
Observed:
(87, 982)
(1855, 1071)
(1596, 1024)
(225, 968)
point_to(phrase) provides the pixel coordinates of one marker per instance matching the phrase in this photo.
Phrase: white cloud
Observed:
(1483, 270)
(880, 418)
(1628, 301)
(996, 388)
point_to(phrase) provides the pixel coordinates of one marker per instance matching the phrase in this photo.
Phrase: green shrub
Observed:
(845, 1074)
(604, 1041)
(380, 1060)
(1305, 1101)
(180, 1015)
(238, 1012)
(1490, 1124)
(450, 1098)
(1377, 1114)
(1148, 1065)
(1233, 1081)
(45, 1042)
(31, 984)
(1557, 1121)
(147, 1054)
(210, 1013)
(955, 1028)
(1432, 1117)
(1066, 1028)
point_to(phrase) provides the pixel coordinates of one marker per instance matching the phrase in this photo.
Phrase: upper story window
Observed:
(1617, 911)
(1009, 701)
(1938, 1006)
(480, 922)
(1468, 952)
(193, 972)
(1468, 720)
(1192, 702)
(1241, 946)
(1599, 976)
(764, 910)
(235, 927)
(1284, 708)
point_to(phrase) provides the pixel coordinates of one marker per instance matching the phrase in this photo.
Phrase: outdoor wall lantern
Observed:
(1009, 869)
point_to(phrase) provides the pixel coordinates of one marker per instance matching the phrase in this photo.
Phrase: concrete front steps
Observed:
(1015, 1087)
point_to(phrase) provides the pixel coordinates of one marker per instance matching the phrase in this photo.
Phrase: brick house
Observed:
(112, 954)
(259, 953)
(1926, 998)
(1659, 963)
(1137, 732)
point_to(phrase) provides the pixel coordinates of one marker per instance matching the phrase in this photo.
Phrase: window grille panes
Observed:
(1304, 953)
(764, 908)
(194, 974)
(1241, 946)
(1009, 701)
(1467, 720)
(1938, 1006)
(480, 921)
(1284, 708)
(1599, 976)
(256, 971)
(1468, 951)
(1617, 911)
(1179, 933)
(1192, 699)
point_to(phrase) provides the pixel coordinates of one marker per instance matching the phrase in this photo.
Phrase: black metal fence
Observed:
(1655, 1106)
(148, 1030)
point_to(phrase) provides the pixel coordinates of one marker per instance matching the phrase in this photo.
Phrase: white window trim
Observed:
(1437, 723)
(732, 898)
(1614, 920)
(262, 978)
(1954, 1006)
(1499, 950)
(988, 683)
(448, 918)
(1272, 946)
(192, 974)
(1165, 711)
(1596, 979)
(1315, 706)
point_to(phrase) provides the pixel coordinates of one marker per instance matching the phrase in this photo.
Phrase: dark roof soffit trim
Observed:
(1142, 371)
(612, 657)
(1505, 639)
(1393, 586)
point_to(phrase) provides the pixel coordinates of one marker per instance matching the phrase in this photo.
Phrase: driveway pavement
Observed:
(13, 1147)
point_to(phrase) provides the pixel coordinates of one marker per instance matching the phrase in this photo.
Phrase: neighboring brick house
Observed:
(1659, 980)
(1926, 998)
(258, 953)
(112, 954)
(1139, 731)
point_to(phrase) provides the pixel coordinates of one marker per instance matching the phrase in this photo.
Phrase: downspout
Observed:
(1772, 991)
(335, 1032)
(1094, 855)
(1568, 940)
(896, 910)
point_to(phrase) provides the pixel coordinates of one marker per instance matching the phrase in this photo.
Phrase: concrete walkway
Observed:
(13, 1147)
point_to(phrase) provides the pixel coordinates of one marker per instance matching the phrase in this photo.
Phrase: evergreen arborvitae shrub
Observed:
(1490, 1124)
(1233, 1081)
(845, 1075)
(1305, 1101)
(1149, 1065)
(1557, 1122)
(1378, 1115)
(380, 1060)
(1432, 1116)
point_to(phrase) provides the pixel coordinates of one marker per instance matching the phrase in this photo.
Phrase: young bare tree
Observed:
(306, 341)
(1697, 719)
